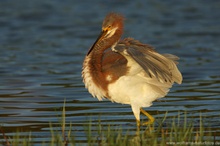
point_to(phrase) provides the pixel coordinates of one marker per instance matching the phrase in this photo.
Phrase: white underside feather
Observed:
(137, 89)
(87, 79)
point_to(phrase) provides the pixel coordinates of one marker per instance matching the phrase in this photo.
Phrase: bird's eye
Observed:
(107, 28)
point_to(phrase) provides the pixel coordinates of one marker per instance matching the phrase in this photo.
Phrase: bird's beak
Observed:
(102, 34)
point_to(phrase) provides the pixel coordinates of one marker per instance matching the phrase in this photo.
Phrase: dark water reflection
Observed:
(43, 43)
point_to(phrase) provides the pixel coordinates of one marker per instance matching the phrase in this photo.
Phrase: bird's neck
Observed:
(99, 49)
(92, 66)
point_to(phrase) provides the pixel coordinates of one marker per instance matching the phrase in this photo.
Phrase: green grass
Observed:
(176, 131)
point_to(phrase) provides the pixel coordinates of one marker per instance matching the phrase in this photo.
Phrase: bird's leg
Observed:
(138, 127)
(151, 118)
(138, 123)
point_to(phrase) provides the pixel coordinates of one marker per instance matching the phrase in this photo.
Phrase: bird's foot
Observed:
(150, 122)
(151, 118)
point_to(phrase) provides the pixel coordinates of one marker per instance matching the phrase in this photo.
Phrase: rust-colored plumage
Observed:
(127, 71)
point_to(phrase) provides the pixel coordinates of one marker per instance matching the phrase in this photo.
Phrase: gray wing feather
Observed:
(160, 66)
(153, 64)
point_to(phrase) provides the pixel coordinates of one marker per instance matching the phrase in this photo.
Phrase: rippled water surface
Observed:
(43, 44)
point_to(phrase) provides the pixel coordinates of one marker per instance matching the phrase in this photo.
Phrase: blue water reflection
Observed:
(43, 44)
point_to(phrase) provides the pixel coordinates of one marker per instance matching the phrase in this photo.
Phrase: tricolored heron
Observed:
(127, 71)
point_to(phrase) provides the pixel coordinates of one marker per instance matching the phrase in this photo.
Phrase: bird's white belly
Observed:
(133, 90)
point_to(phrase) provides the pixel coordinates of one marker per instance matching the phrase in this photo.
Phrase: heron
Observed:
(127, 71)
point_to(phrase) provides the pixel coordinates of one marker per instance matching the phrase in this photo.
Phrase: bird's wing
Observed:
(160, 66)
(114, 63)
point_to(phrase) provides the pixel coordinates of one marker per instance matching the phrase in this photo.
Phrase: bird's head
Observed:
(112, 29)
(113, 22)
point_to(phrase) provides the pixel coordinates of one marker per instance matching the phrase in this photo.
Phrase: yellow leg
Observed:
(151, 118)
(138, 123)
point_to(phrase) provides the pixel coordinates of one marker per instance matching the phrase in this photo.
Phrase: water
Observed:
(43, 44)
